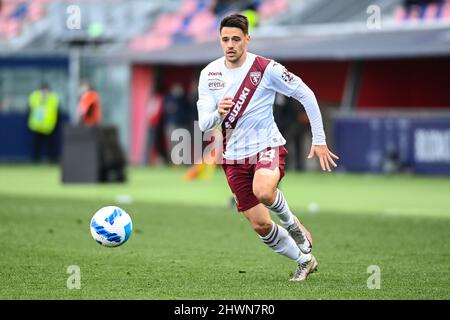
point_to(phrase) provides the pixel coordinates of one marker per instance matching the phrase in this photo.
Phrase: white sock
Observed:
(281, 242)
(281, 209)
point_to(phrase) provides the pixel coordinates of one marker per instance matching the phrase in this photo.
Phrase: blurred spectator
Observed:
(391, 161)
(292, 121)
(156, 145)
(175, 105)
(191, 104)
(204, 165)
(89, 107)
(251, 12)
(42, 121)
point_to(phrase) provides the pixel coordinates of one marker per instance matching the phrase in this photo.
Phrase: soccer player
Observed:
(237, 91)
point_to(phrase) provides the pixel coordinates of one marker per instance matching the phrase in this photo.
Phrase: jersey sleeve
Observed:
(281, 80)
(289, 84)
(208, 116)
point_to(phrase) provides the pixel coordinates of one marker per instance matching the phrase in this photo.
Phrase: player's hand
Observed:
(225, 105)
(325, 156)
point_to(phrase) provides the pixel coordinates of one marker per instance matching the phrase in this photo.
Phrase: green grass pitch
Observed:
(188, 243)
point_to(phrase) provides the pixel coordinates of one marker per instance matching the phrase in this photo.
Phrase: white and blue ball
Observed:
(111, 226)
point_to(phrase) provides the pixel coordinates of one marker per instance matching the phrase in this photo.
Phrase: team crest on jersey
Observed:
(255, 77)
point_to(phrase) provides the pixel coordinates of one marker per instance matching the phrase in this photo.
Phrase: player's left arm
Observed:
(287, 83)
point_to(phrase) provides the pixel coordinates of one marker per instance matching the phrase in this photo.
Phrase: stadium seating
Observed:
(16, 15)
(434, 11)
(271, 8)
(159, 24)
(18, 20)
(195, 21)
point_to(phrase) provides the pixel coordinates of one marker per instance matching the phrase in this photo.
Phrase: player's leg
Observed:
(240, 180)
(265, 184)
(273, 235)
(265, 187)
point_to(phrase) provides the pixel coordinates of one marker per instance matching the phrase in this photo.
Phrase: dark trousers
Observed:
(39, 143)
(295, 136)
(156, 144)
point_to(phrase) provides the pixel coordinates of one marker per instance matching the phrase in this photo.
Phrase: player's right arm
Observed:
(208, 115)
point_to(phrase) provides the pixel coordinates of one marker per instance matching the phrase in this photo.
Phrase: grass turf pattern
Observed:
(188, 243)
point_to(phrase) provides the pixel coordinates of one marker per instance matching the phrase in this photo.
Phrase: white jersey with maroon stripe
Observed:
(255, 129)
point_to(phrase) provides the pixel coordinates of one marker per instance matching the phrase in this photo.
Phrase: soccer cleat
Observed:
(301, 236)
(305, 269)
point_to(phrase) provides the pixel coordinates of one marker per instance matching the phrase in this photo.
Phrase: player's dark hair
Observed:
(235, 20)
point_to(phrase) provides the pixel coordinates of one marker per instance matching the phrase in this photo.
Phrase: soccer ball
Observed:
(111, 226)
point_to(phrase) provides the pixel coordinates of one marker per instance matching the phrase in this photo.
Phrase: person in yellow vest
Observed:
(42, 121)
(251, 12)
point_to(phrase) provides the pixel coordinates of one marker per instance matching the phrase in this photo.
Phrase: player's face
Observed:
(234, 44)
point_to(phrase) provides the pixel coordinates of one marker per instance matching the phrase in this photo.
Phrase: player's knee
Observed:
(262, 228)
(264, 195)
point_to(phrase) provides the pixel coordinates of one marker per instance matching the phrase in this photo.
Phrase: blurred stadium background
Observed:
(380, 71)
